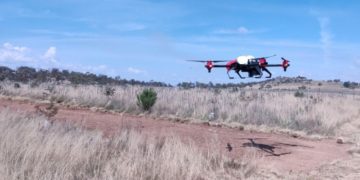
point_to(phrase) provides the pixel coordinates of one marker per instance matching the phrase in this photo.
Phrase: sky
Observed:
(150, 40)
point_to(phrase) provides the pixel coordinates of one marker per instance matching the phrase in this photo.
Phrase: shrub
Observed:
(109, 91)
(346, 84)
(146, 99)
(351, 85)
(302, 87)
(217, 91)
(299, 94)
(16, 85)
(34, 84)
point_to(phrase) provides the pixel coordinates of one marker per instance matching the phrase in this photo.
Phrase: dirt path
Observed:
(280, 151)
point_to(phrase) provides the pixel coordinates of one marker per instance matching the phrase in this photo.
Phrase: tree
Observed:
(24, 74)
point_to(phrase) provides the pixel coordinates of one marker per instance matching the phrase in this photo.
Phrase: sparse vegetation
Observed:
(30, 148)
(268, 86)
(66, 152)
(276, 109)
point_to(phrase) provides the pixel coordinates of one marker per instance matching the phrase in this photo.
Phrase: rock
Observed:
(93, 109)
(339, 141)
(206, 123)
(229, 147)
(216, 125)
(294, 135)
(241, 128)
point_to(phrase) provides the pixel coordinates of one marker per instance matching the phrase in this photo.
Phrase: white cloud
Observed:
(13, 53)
(13, 56)
(127, 27)
(50, 55)
(325, 36)
(22, 55)
(100, 69)
(240, 30)
(135, 70)
(62, 33)
(357, 62)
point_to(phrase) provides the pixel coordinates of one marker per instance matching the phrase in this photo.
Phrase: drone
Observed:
(250, 64)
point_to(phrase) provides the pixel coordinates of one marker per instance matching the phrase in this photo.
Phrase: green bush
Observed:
(109, 91)
(302, 87)
(16, 85)
(351, 85)
(146, 99)
(299, 94)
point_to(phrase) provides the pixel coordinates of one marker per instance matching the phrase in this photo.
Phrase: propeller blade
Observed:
(284, 59)
(270, 56)
(214, 61)
(263, 57)
(196, 60)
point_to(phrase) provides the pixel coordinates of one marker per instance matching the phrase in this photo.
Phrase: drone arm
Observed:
(285, 66)
(219, 66)
(274, 65)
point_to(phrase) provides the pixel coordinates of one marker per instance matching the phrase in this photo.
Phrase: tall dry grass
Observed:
(32, 149)
(315, 113)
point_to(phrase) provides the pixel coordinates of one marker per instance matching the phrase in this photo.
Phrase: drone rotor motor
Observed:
(209, 65)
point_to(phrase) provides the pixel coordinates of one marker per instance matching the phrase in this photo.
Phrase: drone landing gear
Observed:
(230, 77)
(266, 70)
(238, 73)
(259, 72)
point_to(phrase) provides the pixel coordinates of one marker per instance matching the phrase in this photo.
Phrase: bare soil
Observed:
(280, 151)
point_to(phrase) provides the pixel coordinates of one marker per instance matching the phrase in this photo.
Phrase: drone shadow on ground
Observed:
(267, 148)
(264, 147)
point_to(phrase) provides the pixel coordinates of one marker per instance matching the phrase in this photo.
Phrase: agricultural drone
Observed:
(253, 66)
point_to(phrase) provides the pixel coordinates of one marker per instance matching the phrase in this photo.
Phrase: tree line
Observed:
(26, 74)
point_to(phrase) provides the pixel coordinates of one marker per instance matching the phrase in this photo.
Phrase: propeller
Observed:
(205, 61)
(209, 63)
(285, 63)
(263, 57)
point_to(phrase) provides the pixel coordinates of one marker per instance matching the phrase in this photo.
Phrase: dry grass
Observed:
(28, 150)
(31, 148)
(315, 113)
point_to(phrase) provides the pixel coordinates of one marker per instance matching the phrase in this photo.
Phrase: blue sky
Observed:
(149, 40)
